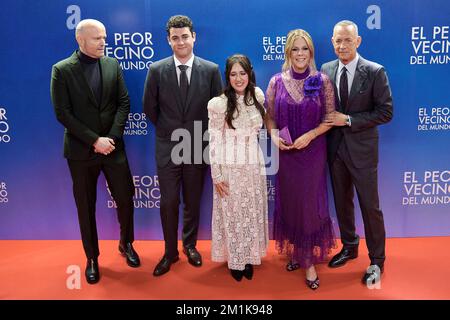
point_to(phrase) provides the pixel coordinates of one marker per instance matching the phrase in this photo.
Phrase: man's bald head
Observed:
(85, 24)
(91, 37)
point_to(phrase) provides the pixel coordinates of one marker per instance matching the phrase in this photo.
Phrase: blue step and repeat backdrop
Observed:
(410, 38)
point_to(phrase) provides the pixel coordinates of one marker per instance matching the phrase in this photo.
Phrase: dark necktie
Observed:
(343, 89)
(184, 84)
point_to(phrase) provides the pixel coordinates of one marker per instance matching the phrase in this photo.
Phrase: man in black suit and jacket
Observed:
(365, 101)
(91, 101)
(176, 94)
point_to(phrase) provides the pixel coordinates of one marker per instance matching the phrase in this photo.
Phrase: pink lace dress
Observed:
(240, 220)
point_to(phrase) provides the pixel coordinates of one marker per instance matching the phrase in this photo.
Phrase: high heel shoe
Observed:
(237, 274)
(292, 266)
(313, 284)
(248, 271)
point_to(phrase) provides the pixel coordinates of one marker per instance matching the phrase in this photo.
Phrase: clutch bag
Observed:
(285, 135)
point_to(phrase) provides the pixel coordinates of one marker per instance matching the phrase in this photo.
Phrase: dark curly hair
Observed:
(230, 93)
(179, 21)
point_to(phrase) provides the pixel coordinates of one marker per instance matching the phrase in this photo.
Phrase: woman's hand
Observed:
(303, 141)
(222, 189)
(281, 144)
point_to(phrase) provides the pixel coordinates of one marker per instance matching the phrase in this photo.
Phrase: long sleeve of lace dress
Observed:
(216, 115)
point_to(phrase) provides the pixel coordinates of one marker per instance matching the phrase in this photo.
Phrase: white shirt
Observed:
(188, 63)
(351, 69)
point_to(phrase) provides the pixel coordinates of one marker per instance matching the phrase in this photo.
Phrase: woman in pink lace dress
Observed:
(239, 220)
(298, 99)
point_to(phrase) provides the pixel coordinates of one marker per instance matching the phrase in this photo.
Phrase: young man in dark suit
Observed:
(91, 101)
(364, 102)
(176, 94)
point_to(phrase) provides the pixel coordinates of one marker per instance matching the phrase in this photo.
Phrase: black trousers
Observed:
(187, 178)
(84, 177)
(345, 177)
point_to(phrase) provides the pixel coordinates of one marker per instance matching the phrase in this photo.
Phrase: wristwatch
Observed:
(348, 122)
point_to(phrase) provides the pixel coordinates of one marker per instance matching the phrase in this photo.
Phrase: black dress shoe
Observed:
(193, 256)
(164, 265)
(342, 257)
(248, 271)
(373, 274)
(92, 273)
(127, 251)
(237, 274)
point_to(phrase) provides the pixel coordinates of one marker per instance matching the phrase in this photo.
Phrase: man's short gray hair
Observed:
(345, 23)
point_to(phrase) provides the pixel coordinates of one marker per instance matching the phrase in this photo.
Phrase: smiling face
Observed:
(300, 55)
(345, 41)
(238, 78)
(91, 40)
(181, 40)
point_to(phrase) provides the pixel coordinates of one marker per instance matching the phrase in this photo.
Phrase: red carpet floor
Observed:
(416, 268)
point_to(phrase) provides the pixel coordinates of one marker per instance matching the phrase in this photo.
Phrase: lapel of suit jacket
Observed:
(106, 80)
(79, 74)
(358, 80)
(172, 80)
(334, 69)
(194, 84)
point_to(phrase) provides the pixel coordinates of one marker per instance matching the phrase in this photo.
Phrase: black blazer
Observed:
(77, 109)
(163, 106)
(369, 105)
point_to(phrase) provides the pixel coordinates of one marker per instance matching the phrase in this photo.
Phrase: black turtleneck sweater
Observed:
(92, 72)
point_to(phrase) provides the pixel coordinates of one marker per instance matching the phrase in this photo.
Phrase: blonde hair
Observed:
(291, 37)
